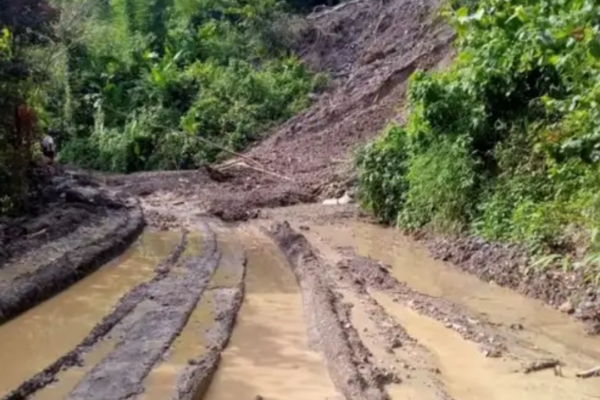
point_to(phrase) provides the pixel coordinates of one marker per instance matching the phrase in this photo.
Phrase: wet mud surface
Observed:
(506, 266)
(250, 293)
(83, 229)
(265, 309)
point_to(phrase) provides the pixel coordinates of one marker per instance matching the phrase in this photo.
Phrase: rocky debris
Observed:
(345, 199)
(491, 351)
(589, 373)
(516, 327)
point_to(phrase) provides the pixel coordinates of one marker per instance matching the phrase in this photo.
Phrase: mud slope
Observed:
(369, 48)
(76, 229)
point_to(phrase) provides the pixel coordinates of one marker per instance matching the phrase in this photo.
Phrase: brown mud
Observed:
(82, 230)
(74, 358)
(269, 342)
(330, 305)
(496, 336)
(59, 324)
(506, 265)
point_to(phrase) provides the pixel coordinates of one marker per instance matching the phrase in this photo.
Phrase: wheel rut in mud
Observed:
(266, 309)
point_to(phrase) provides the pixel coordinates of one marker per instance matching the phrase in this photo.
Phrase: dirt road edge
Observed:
(29, 290)
(74, 357)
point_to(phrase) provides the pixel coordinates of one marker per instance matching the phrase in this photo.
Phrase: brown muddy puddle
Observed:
(268, 354)
(546, 331)
(468, 375)
(36, 338)
(190, 343)
(161, 381)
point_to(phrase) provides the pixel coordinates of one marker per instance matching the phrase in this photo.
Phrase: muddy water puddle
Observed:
(68, 379)
(191, 342)
(161, 381)
(545, 329)
(268, 354)
(469, 375)
(35, 339)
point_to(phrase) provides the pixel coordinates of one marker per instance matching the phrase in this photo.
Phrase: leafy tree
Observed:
(23, 25)
(505, 143)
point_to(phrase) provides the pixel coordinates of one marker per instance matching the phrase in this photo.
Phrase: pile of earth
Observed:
(71, 227)
(369, 49)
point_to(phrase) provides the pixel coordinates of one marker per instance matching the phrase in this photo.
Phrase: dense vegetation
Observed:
(505, 144)
(134, 85)
(24, 24)
(144, 84)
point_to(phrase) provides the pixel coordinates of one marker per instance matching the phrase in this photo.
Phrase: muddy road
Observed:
(302, 303)
(223, 283)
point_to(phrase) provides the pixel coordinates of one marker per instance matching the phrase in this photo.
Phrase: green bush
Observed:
(381, 173)
(441, 182)
(148, 85)
(504, 144)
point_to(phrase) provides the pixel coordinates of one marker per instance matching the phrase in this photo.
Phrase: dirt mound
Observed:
(71, 228)
(370, 49)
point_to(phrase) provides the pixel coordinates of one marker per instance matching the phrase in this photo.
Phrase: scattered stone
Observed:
(304, 228)
(566, 307)
(396, 342)
(491, 352)
(516, 327)
(589, 373)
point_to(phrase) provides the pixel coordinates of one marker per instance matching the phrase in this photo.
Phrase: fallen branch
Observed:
(216, 146)
(589, 373)
(264, 171)
(544, 364)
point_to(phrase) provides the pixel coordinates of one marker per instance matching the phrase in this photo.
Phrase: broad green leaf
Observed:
(594, 47)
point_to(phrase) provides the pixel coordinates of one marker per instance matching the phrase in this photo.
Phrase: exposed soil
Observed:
(382, 319)
(78, 229)
(506, 266)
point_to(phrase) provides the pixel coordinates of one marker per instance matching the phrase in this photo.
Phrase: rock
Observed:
(516, 327)
(396, 342)
(491, 352)
(566, 307)
(345, 199)
(304, 228)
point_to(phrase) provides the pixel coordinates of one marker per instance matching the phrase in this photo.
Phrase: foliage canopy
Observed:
(505, 143)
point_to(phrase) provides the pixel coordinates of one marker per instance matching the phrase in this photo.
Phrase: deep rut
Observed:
(301, 310)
